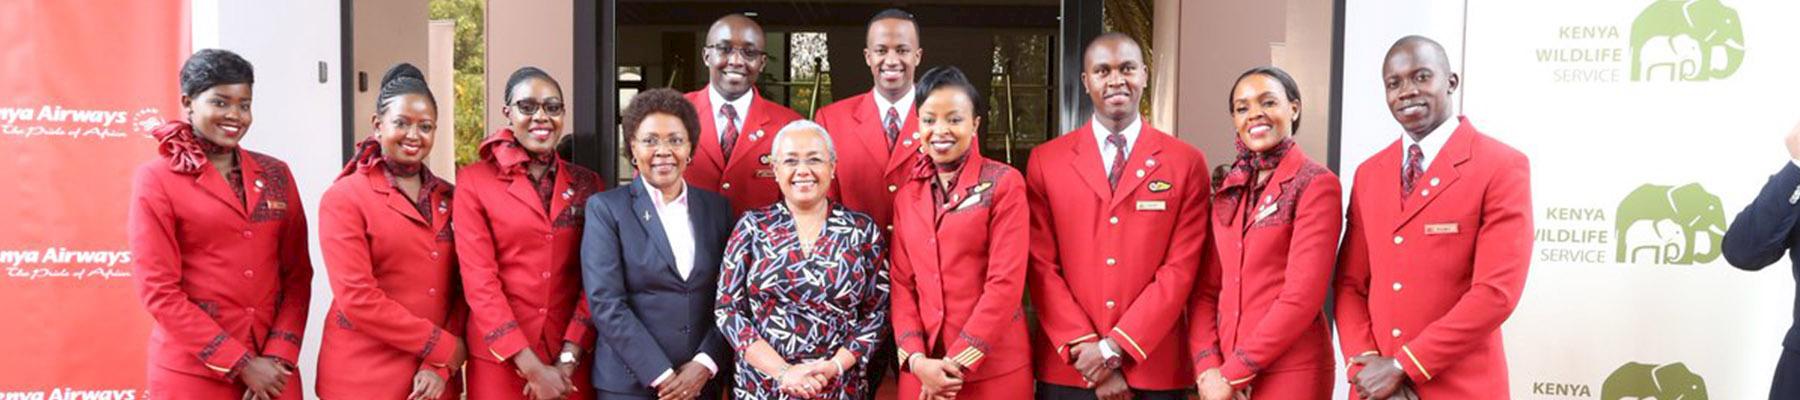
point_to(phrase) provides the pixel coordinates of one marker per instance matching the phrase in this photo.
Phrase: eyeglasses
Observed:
(529, 107)
(746, 52)
(651, 143)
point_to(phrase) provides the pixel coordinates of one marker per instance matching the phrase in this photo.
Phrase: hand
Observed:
(426, 385)
(542, 382)
(1379, 378)
(1405, 392)
(1793, 142)
(1213, 386)
(938, 378)
(1113, 387)
(803, 381)
(686, 384)
(265, 377)
(1089, 362)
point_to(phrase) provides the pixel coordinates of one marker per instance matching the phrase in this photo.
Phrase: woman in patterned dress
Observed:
(803, 289)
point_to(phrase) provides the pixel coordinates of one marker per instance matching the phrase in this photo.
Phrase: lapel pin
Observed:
(646, 215)
(1140, 173)
(1434, 181)
(1150, 162)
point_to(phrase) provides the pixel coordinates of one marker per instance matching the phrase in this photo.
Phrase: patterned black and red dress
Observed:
(805, 304)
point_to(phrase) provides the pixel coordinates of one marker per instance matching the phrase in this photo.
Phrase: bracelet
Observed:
(840, 368)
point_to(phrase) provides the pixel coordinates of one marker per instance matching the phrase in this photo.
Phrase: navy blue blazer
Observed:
(649, 319)
(1764, 232)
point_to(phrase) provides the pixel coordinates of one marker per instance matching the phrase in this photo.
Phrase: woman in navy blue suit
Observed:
(653, 309)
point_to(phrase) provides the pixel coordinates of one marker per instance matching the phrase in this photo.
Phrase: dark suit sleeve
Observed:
(603, 276)
(1759, 235)
(714, 344)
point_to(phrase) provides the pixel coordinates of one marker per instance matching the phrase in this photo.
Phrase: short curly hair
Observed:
(661, 101)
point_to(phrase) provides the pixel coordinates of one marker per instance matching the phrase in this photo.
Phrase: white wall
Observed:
(298, 118)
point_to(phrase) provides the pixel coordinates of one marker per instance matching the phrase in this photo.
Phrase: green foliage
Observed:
(471, 72)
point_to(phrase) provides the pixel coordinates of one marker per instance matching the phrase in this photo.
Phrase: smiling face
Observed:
(1262, 112)
(405, 130)
(1114, 77)
(220, 114)
(804, 166)
(947, 118)
(662, 164)
(1419, 83)
(734, 55)
(536, 115)
(892, 54)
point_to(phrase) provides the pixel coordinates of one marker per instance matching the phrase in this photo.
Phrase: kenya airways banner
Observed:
(1649, 124)
(81, 85)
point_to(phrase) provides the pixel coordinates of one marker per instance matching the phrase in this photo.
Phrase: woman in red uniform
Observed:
(396, 314)
(518, 227)
(1258, 324)
(220, 241)
(960, 236)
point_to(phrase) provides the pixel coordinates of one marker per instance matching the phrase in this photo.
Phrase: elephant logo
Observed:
(1640, 381)
(1671, 225)
(1686, 40)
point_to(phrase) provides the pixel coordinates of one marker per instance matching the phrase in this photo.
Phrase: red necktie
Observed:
(1118, 165)
(1415, 167)
(893, 126)
(729, 136)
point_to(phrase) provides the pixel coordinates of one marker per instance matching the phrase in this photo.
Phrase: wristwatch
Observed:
(1113, 360)
(566, 358)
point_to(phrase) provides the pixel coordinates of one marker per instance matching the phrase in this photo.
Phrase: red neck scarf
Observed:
(369, 155)
(505, 151)
(185, 149)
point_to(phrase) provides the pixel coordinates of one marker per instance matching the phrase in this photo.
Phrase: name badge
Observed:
(1440, 229)
(277, 205)
(1152, 205)
(765, 173)
(1266, 211)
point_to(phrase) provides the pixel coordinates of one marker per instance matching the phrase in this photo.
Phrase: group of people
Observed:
(765, 256)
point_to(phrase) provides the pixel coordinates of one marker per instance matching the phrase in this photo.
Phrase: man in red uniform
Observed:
(877, 133)
(1437, 244)
(876, 129)
(1118, 221)
(736, 125)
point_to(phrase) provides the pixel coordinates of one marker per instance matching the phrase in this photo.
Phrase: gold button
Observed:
(726, 186)
(1426, 192)
(890, 227)
(1434, 181)
(1140, 173)
(1109, 304)
(1111, 261)
(1113, 220)
(1398, 239)
(1396, 286)
(1396, 332)
(893, 188)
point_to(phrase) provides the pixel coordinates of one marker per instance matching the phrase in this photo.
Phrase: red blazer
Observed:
(396, 307)
(959, 274)
(748, 178)
(868, 172)
(1428, 280)
(223, 282)
(1260, 304)
(1116, 263)
(520, 271)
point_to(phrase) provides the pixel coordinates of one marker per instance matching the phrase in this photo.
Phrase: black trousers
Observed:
(1047, 391)
(1787, 376)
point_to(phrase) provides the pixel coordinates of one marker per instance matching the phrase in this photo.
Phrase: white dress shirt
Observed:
(882, 105)
(742, 106)
(1432, 144)
(678, 227)
(1106, 148)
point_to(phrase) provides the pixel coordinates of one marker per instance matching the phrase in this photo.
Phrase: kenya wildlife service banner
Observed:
(1649, 124)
